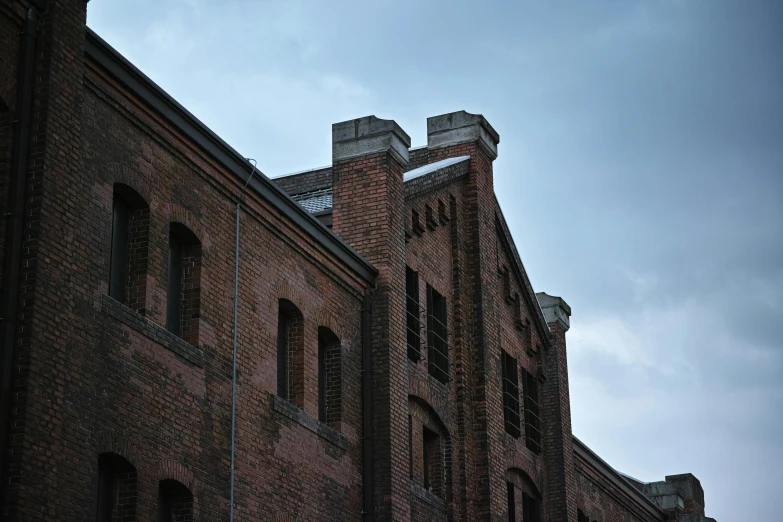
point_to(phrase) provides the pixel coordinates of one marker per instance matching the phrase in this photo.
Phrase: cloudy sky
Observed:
(640, 170)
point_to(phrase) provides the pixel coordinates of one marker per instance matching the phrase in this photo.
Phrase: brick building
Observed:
(358, 342)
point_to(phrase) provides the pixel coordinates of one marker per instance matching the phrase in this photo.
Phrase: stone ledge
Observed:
(291, 411)
(427, 496)
(153, 331)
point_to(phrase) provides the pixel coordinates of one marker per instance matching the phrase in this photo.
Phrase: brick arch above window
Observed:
(422, 389)
(436, 417)
(169, 469)
(178, 214)
(326, 319)
(284, 290)
(521, 478)
(125, 175)
(106, 441)
(530, 472)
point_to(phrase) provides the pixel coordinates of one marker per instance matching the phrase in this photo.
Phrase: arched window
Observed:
(290, 353)
(430, 448)
(523, 497)
(329, 378)
(116, 488)
(184, 283)
(129, 245)
(175, 502)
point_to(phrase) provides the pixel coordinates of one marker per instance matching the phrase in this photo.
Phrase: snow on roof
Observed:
(432, 167)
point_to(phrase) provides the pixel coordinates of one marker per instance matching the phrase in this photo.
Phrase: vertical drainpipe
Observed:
(368, 487)
(234, 360)
(15, 223)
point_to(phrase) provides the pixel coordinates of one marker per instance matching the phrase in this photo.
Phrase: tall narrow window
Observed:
(433, 461)
(329, 378)
(511, 416)
(118, 271)
(410, 446)
(184, 283)
(290, 353)
(512, 508)
(128, 259)
(437, 336)
(175, 502)
(532, 419)
(116, 488)
(412, 317)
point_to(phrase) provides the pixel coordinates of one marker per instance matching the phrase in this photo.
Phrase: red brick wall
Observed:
(486, 489)
(368, 213)
(434, 254)
(601, 501)
(92, 370)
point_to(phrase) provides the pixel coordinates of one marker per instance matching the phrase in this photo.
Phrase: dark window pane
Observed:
(512, 508)
(412, 317)
(174, 295)
(437, 336)
(118, 269)
(511, 415)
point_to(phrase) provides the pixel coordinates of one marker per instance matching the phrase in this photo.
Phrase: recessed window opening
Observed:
(412, 314)
(129, 244)
(329, 377)
(437, 336)
(290, 353)
(184, 283)
(532, 419)
(116, 489)
(511, 415)
(175, 502)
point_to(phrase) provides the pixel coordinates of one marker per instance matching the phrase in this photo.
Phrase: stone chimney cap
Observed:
(555, 310)
(462, 127)
(369, 135)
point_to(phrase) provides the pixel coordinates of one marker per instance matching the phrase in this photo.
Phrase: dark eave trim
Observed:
(519, 270)
(151, 94)
(617, 480)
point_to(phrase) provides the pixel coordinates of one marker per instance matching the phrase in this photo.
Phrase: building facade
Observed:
(186, 339)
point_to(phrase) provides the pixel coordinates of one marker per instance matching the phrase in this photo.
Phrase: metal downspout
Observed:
(15, 225)
(368, 486)
(234, 342)
(234, 361)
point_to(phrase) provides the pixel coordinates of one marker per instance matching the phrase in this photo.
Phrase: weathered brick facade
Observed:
(396, 367)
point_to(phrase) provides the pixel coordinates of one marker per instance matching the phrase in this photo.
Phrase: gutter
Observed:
(9, 302)
(368, 486)
(616, 479)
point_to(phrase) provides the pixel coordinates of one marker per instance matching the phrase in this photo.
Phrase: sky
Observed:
(640, 170)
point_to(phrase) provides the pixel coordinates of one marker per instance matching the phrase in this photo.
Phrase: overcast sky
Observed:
(640, 171)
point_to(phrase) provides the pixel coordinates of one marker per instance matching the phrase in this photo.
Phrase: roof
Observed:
(432, 167)
(616, 479)
(315, 201)
(237, 165)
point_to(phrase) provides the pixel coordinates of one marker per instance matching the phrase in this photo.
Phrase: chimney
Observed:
(556, 412)
(369, 156)
(459, 133)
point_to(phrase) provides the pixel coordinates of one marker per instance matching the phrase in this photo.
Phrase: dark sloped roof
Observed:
(315, 201)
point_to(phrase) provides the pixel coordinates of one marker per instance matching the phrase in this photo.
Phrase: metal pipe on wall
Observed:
(368, 485)
(234, 343)
(15, 224)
